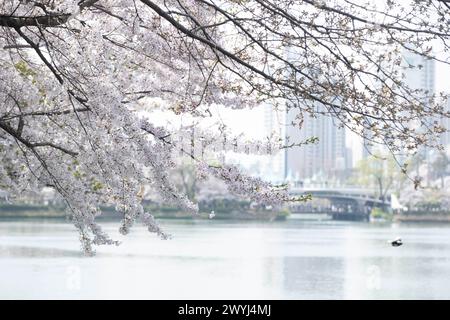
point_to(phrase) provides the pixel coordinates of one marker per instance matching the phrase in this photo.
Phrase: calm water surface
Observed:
(294, 259)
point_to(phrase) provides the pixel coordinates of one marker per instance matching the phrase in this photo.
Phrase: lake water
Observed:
(212, 259)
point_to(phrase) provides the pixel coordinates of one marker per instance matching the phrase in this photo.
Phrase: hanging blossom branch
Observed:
(74, 76)
(238, 183)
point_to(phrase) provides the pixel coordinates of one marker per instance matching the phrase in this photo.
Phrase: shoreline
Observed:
(113, 215)
(422, 218)
(8, 211)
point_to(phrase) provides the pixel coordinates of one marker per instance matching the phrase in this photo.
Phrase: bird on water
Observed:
(396, 242)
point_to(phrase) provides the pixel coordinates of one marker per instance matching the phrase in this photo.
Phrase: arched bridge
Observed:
(341, 204)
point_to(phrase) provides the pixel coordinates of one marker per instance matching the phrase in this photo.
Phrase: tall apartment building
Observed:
(445, 122)
(319, 161)
(421, 76)
(315, 161)
(273, 166)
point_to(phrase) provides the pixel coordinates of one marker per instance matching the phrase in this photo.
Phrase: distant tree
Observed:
(415, 162)
(439, 167)
(186, 180)
(74, 75)
(380, 172)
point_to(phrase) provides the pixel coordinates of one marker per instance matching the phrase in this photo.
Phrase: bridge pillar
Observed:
(354, 210)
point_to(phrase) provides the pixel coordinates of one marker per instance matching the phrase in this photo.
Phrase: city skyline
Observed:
(340, 148)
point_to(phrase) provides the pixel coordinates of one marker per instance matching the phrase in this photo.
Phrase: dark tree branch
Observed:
(48, 20)
(31, 145)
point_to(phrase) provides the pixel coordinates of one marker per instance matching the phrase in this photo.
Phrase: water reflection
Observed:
(313, 277)
(215, 259)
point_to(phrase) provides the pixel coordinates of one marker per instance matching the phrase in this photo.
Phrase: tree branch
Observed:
(48, 20)
(31, 145)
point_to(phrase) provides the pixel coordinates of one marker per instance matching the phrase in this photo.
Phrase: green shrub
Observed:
(379, 213)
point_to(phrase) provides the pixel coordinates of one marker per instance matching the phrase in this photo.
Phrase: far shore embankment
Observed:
(49, 212)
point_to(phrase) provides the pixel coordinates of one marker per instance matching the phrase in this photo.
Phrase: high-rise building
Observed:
(445, 122)
(320, 161)
(422, 73)
(274, 125)
(323, 160)
(419, 74)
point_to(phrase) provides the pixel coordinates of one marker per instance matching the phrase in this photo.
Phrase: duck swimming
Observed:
(396, 242)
